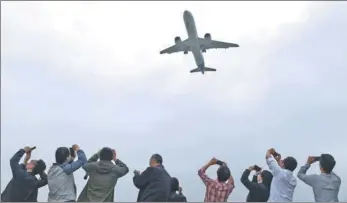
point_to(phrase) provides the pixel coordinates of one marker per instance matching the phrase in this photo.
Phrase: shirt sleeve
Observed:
(273, 166)
(143, 179)
(72, 167)
(121, 169)
(245, 181)
(205, 179)
(310, 180)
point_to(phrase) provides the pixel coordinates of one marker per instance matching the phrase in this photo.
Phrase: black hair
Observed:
(61, 154)
(40, 167)
(174, 184)
(223, 173)
(290, 163)
(157, 158)
(327, 162)
(106, 154)
(267, 178)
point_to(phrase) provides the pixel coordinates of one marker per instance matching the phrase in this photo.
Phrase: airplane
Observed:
(195, 44)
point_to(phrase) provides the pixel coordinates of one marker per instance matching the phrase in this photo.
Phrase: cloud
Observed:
(90, 73)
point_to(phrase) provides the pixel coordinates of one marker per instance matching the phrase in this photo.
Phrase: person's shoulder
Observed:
(336, 177)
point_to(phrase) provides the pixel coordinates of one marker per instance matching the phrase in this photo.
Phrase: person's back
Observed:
(101, 182)
(159, 186)
(154, 183)
(282, 187)
(325, 186)
(327, 189)
(103, 177)
(176, 194)
(217, 190)
(284, 182)
(259, 187)
(174, 197)
(61, 181)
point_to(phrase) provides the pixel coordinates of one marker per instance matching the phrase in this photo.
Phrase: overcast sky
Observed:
(90, 73)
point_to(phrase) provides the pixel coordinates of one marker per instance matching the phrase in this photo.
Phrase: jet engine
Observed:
(177, 40)
(208, 37)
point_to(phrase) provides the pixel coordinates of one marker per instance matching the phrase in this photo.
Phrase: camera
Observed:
(257, 168)
(72, 152)
(275, 154)
(316, 158)
(219, 162)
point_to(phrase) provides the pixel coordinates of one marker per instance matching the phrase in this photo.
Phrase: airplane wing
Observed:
(176, 48)
(213, 44)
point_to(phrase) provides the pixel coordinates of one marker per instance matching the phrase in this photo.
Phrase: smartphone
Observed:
(72, 152)
(219, 162)
(316, 158)
(257, 168)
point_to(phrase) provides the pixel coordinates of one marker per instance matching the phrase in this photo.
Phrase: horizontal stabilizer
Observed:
(204, 70)
(209, 69)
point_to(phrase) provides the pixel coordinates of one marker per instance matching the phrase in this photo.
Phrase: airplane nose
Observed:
(186, 13)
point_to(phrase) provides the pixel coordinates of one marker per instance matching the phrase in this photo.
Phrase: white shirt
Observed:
(283, 183)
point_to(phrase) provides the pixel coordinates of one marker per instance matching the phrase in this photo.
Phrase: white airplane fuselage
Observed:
(193, 40)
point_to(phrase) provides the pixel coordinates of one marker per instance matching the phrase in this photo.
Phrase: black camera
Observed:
(72, 152)
(257, 168)
(316, 158)
(219, 162)
(275, 154)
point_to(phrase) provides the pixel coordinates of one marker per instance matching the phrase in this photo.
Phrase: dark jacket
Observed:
(154, 185)
(103, 177)
(24, 186)
(174, 197)
(258, 192)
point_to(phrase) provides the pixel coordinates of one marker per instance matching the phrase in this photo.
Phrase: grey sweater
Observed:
(325, 187)
(61, 182)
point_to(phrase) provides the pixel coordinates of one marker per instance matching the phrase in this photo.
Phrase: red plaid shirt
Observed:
(215, 191)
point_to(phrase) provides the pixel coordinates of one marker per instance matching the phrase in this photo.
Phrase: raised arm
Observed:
(14, 162)
(272, 163)
(90, 165)
(73, 166)
(143, 179)
(245, 179)
(43, 181)
(202, 172)
(120, 169)
(308, 179)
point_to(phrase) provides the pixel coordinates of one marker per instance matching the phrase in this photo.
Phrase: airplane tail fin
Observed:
(203, 70)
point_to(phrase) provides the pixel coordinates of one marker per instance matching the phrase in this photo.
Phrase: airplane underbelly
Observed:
(197, 53)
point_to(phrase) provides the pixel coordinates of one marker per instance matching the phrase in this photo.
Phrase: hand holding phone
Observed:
(219, 162)
(256, 168)
(316, 158)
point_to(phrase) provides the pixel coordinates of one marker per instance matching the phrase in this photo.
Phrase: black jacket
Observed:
(174, 197)
(23, 186)
(154, 185)
(258, 192)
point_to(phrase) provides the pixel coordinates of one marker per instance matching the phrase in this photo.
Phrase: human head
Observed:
(155, 160)
(174, 184)
(36, 166)
(106, 154)
(223, 173)
(327, 163)
(266, 178)
(289, 163)
(61, 155)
